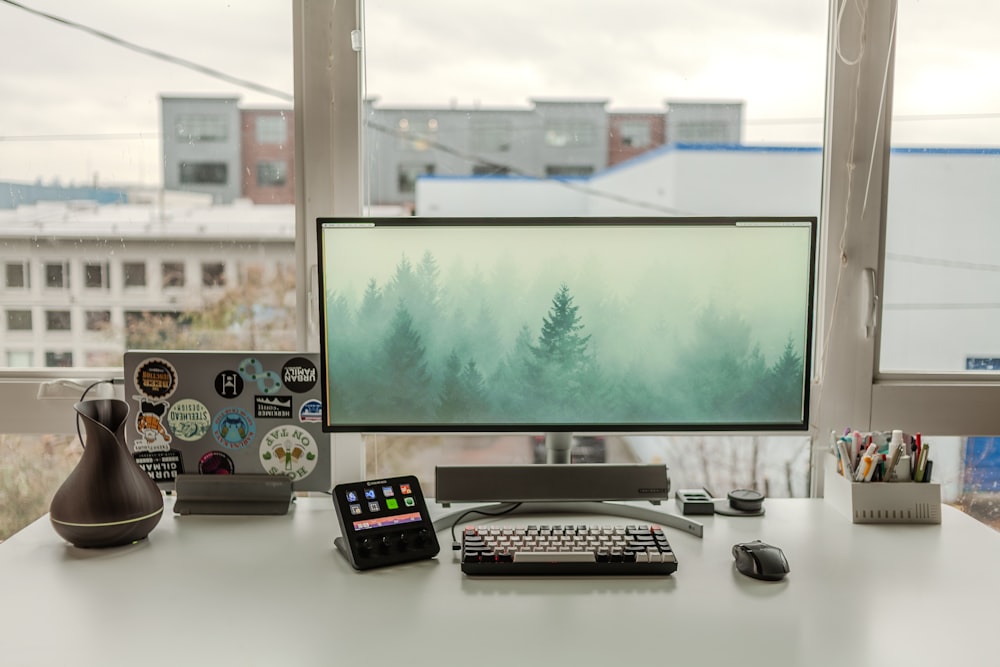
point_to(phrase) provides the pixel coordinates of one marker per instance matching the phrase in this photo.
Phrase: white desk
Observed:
(208, 590)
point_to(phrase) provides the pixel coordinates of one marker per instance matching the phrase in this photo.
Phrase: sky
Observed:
(79, 109)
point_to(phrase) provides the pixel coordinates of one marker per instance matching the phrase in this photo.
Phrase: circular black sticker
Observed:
(229, 384)
(216, 463)
(299, 374)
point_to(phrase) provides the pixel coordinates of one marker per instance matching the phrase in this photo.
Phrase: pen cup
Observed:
(882, 502)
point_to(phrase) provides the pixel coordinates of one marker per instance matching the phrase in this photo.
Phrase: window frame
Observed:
(328, 101)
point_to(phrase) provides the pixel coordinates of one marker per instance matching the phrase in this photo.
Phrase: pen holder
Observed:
(882, 502)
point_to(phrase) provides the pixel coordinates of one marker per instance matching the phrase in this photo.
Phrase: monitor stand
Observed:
(549, 487)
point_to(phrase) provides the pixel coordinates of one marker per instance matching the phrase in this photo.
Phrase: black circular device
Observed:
(741, 502)
(746, 500)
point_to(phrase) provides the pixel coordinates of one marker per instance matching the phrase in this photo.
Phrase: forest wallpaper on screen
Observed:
(457, 326)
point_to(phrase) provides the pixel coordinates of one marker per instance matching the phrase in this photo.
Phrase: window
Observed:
(212, 173)
(200, 128)
(20, 358)
(173, 274)
(57, 320)
(635, 134)
(272, 173)
(57, 275)
(134, 274)
(568, 171)
(213, 274)
(17, 276)
(491, 135)
(97, 320)
(409, 173)
(59, 359)
(565, 134)
(18, 320)
(95, 275)
(271, 129)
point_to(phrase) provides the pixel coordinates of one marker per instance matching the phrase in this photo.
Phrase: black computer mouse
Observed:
(760, 560)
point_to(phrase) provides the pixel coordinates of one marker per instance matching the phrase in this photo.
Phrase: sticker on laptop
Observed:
(311, 412)
(162, 467)
(233, 428)
(156, 378)
(252, 370)
(272, 407)
(189, 419)
(299, 375)
(229, 384)
(153, 436)
(289, 450)
(216, 463)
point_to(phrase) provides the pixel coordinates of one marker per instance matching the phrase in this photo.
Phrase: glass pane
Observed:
(31, 469)
(693, 113)
(942, 274)
(109, 175)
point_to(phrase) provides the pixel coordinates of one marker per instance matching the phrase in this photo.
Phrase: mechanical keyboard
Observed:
(567, 550)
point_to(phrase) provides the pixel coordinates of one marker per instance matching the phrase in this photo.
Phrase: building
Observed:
(212, 145)
(78, 299)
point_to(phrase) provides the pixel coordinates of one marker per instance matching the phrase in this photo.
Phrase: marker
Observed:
(867, 467)
(847, 467)
(922, 464)
(896, 447)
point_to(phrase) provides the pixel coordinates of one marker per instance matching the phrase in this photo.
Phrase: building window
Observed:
(272, 173)
(201, 128)
(134, 274)
(568, 171)
(271, 129)
(567, 134)
(635, 134)
(490, 170)
(213, 274)
(204, 173)
(57, 275)
(95, 275)
(17, 275)
(98, 320)
(409, 173)
(59, 359)
(173, 274)
(491, 135)
(18, 320)
(101, 359)
(57, 320)
(20, 358)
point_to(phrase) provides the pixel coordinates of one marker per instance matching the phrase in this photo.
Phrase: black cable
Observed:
(83, 397)
(156, 54)
(461, 516)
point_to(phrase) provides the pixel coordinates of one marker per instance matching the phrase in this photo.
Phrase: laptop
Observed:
(225, 413)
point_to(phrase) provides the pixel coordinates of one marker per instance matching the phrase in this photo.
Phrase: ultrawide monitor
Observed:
(599, 325)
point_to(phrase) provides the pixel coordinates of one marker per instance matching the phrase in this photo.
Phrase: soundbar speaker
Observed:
(552, 482)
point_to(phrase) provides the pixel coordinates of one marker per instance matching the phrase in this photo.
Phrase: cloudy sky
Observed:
(79, 108)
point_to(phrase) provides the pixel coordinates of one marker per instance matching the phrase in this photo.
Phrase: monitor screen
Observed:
(599, 325)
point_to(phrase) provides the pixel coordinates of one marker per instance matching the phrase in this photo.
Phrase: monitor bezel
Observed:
(801, 426)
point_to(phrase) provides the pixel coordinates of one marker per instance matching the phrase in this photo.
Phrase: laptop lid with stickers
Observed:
(222, 413)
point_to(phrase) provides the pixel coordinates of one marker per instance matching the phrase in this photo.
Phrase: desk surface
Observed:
(211, 590)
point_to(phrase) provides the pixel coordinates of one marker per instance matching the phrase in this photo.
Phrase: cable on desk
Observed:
(458, 520)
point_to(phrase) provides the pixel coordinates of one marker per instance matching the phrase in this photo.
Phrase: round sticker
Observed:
(289, 450)
(299, 374)
(216, 463)
(268, 382)
(155, 378)
(311, 412)
(189, 419)
(233, 428)
(228, 384)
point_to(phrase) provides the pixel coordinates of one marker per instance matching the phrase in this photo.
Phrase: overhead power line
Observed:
(160, 55)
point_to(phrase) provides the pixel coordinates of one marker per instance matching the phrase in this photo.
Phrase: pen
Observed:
(895, 451)
(867, 466)
(847, 467)
(921, 463)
